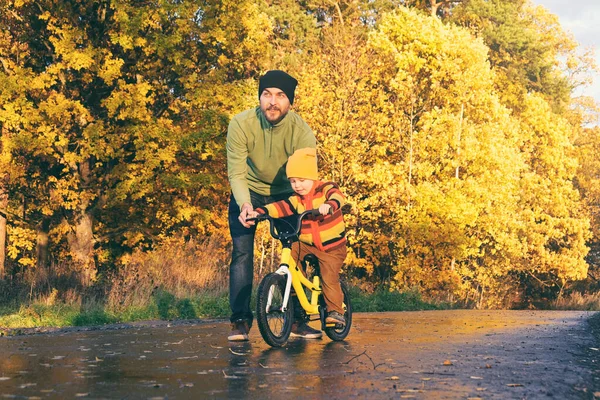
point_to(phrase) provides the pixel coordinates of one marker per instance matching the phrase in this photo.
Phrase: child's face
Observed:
(301, 186)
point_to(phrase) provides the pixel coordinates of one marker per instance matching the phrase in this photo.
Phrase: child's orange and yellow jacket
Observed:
(325, 232)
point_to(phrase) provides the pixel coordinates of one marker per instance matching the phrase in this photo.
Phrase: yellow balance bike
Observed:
(274, 308)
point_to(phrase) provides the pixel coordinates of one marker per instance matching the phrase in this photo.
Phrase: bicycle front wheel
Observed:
(274, 323)
(340, 332)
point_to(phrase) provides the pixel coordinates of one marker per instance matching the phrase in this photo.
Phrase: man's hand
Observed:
(324, 209)
(245, 213)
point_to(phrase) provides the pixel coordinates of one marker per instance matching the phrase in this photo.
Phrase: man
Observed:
(259, 142)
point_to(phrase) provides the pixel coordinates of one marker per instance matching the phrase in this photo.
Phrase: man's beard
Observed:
(276, 119)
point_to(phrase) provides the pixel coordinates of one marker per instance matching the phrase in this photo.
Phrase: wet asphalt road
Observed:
(421, 355)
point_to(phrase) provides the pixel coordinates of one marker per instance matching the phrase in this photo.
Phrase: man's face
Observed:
(274, 104)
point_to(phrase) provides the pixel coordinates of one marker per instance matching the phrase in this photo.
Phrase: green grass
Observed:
(166, 306)
(37, 315)
(384, 300)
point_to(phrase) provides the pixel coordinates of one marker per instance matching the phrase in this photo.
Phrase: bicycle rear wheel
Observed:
(274, 324)
(338, 333)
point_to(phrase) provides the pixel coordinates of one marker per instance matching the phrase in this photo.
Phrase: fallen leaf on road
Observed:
(476, 377)
(230, 376)
(393, 378)
(447, 362)
(27, 385)
(514, 385)
(238, 354)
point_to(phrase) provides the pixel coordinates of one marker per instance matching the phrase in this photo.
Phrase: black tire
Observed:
(338, 334)
(274, 325)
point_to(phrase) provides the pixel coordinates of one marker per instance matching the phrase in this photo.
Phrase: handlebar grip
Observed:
(315, 212)
(258, 218)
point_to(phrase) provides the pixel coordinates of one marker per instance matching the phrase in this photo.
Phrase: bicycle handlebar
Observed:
(284, 235)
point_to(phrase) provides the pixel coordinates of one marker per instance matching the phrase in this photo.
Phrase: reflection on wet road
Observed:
(433, 354)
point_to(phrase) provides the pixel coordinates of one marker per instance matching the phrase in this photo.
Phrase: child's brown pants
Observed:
(330, 262)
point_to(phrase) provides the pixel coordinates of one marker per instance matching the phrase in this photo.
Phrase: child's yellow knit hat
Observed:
(302, 164)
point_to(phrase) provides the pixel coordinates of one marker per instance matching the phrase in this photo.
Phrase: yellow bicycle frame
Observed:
(296, 278)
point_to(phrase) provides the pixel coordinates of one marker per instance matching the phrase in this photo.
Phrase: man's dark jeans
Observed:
(241, 269)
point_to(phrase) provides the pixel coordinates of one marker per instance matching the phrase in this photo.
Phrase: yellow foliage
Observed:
(449, 189)
(22, 242)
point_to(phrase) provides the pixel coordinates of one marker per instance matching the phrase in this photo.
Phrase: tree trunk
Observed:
(81, 244)
(42, 241)
(3, 223)
(81, 239)
(3, 212)
(411, 141)
(462, 111)
(434, 7)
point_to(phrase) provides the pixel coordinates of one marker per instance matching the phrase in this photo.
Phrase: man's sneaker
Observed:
(335, 317)
(304, 331)
(239, 331)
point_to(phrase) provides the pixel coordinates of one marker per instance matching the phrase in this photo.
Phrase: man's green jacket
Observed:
(257, 152)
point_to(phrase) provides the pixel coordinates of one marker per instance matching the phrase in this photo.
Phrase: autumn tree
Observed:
(432, 162)
(557, 225)
(111, 116)
(588, 183)
(528, 48)
(448, 183)
(448, 124)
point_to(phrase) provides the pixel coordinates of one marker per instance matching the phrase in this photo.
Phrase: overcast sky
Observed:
(582, 19)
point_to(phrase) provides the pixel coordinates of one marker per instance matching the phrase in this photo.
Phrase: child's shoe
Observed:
(335, 317)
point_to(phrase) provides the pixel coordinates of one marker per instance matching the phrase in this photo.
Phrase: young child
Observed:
(322, 236)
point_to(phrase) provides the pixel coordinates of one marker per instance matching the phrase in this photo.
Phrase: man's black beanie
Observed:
(280, 80)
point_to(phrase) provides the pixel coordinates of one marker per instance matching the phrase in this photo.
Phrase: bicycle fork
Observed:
(282, 270)
(296, 279)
